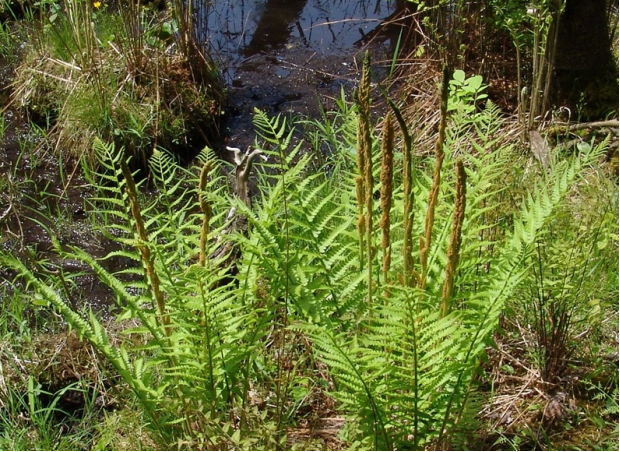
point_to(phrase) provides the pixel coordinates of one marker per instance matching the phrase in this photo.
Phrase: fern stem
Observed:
(425, 242)
(455, 238)
(413, 322)
(147, 258)
(280, 386)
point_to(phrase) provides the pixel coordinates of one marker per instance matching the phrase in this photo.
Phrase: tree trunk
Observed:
(586, 75)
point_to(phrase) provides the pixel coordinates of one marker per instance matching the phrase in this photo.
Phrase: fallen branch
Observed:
(584, 125)
(235, 221)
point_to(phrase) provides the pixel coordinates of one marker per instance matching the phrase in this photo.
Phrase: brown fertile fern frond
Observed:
(425, 242)
(364, 150)
(206, 211)
(387, 172)
(455, 238)
(147, 258)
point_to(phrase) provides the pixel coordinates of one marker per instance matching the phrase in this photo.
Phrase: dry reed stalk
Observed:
(455, 238)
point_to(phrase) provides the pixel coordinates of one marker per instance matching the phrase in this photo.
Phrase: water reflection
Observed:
(238, 29)
(275, 25)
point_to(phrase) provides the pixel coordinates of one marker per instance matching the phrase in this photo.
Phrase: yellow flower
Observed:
(97, 4)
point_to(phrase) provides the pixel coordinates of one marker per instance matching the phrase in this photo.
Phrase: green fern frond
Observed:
(359, 393)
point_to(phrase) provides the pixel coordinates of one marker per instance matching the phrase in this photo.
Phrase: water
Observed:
(238, 29)
(283, 56)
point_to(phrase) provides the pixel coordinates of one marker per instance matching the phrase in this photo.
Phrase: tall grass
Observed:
(98, 71)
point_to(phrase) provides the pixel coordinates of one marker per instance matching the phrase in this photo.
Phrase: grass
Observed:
(94, 75)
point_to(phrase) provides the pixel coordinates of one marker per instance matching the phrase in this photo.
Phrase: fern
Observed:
(192, 369)
(202, 337)
(403, 371)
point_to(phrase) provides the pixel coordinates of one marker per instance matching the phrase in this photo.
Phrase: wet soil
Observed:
(46, 197)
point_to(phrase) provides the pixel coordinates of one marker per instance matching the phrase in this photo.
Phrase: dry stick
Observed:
(387, 171)
(552, 45)
(147, 257)
(535, 75)
(520, 97)
(583, 125)
(206, 212)
(425, 242)
(455, 238)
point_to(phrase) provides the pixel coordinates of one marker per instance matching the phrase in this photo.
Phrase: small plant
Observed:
(466, 93)
(607, 421)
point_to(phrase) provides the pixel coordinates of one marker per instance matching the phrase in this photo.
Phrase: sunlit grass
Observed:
(109, 72)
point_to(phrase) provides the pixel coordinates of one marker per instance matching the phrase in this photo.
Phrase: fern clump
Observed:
(393, 272)
(404, 364)
(187, 367)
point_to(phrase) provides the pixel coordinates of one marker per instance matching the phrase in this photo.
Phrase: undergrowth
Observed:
(120, 71)
(392, 273)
